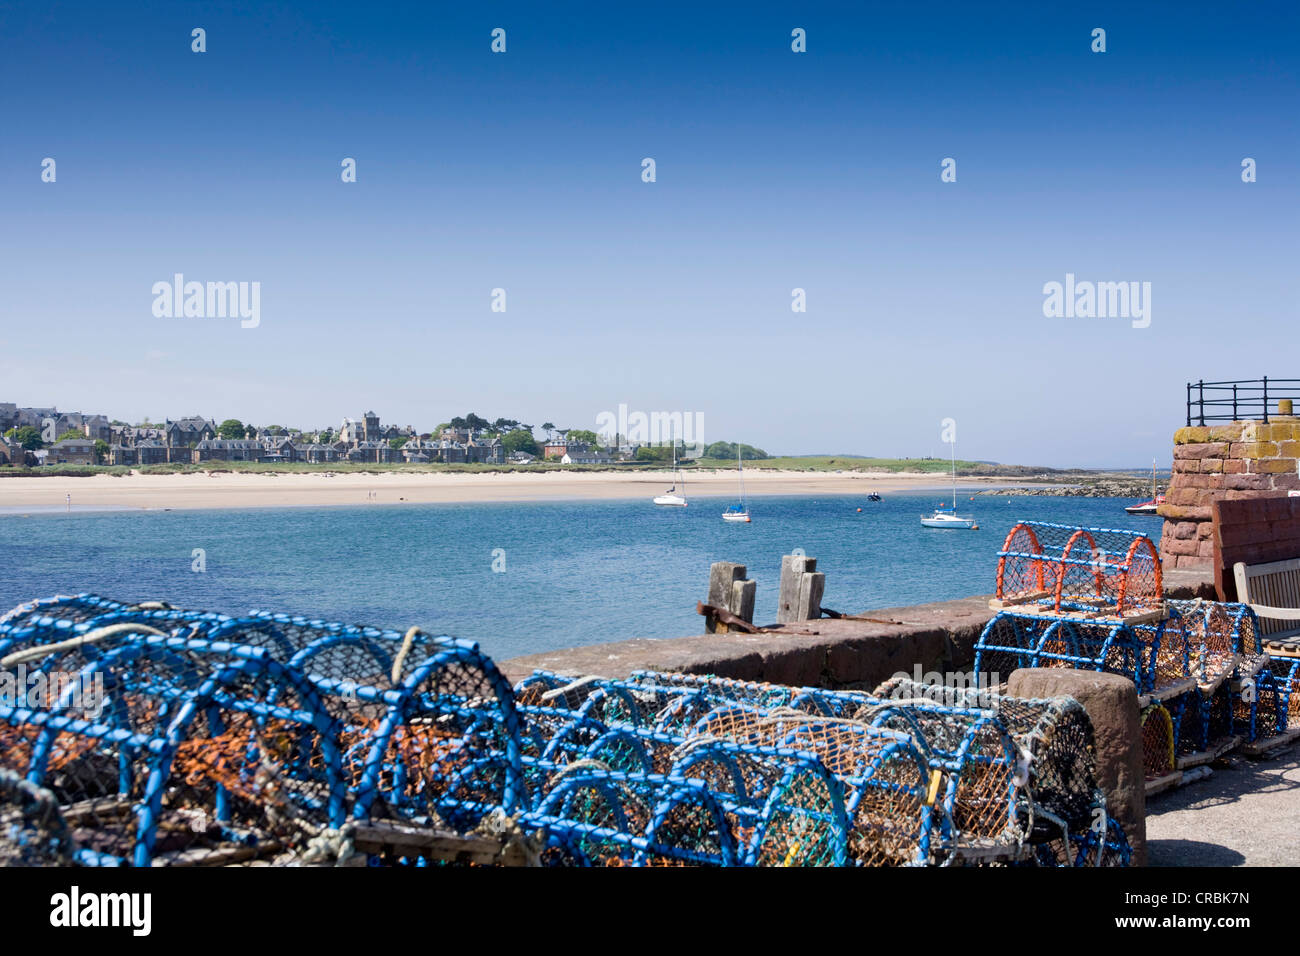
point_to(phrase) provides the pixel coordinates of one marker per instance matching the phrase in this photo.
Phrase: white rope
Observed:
(405, 649)
(331, 844)
(563, 691)
(98, 634)
(507, 829)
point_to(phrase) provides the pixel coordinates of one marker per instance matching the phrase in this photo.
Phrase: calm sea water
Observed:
(574, 572)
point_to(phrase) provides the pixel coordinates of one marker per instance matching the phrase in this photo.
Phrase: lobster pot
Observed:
(1014, 639)
(1095, 571)
(194, 738)
(1286, 678)
(1188, 713)
(1220, 713)
(182, 755)
(33, 832)
(49, 620)
(1168, 654)
(449, 744)
(720, 688)
(1258, 710)
(1157, 742)
(603, 819)
(1218, 636)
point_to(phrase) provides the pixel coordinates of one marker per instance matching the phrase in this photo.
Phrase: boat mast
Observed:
(741, 467)
(953, 444)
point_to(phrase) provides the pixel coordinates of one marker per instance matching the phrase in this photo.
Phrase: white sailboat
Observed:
(740, 510)
(943, 517)
(1148, 507)
(671, 498)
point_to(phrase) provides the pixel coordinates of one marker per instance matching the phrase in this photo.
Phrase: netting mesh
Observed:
(1015, 639)
(159, 736)
(1157, 742)
(1097, 571)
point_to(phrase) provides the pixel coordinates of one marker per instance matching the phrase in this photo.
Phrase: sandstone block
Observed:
(1112, 705)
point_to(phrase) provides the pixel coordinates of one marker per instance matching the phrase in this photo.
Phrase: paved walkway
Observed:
(1246, 814)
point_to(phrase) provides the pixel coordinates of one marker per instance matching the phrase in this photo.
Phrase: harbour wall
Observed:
(858, 653)
(1242, 459)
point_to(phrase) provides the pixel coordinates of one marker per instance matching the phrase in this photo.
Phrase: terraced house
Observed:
(188, 432)
(71, 451)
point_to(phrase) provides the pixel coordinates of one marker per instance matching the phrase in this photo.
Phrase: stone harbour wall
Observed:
(1246, 459)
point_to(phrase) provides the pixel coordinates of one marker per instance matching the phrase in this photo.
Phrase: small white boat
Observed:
(1148, 507)
(946, 519)
(943, 517)
(671, 498)
(740, 510)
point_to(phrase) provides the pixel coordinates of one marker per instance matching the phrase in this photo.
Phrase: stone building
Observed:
(1242, 459)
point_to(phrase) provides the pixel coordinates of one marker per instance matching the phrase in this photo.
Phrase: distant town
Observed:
(34, 437)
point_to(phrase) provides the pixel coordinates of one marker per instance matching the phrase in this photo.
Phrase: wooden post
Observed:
(742, 599)
(728, 589)
(789, 606)
(812, 584)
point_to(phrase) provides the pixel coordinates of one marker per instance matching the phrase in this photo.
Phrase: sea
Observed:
(522, 578)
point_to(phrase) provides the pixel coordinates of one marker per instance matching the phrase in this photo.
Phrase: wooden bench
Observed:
(1273, 592)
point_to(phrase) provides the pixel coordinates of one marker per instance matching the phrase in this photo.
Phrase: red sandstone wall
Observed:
(1223, 463)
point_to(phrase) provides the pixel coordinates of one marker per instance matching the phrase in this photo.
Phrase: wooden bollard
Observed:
(802, 586)
(728, 589)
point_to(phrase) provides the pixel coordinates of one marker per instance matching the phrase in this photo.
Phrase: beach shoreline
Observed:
(198, 491)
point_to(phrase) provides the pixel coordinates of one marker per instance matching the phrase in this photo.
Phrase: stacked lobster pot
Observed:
(147, 735)
(163, 737)
(1091, 598)
(672, 768)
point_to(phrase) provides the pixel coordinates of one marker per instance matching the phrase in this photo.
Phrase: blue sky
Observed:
(775, 170)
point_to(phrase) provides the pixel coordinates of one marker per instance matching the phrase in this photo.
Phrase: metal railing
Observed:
(1235, 401)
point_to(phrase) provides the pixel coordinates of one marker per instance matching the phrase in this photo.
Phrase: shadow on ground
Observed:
(1245, 814)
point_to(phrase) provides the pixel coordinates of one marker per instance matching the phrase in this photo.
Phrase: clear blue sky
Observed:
(775, 170)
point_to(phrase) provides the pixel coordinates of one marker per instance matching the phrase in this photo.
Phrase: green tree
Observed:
(396, 442)
(231, 429)
(101, 450)
(72, 433)
(437, 432)
(520, 440)
(582, 435)
(27, 436)
(548, 427)
(727, 450)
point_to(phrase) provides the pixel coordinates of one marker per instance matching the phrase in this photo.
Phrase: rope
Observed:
(92, 637)
(40, 810)
(563, 691)
(586, 763)
(513, 836)
(331, 845)
(405, 649)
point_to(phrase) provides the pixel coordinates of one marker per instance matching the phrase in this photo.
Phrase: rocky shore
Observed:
(1086, 486)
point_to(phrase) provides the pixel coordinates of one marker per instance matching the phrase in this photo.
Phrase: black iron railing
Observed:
(1234, 401)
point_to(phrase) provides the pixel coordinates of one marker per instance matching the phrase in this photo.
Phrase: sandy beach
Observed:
(234, 490)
